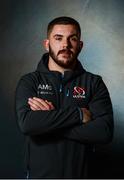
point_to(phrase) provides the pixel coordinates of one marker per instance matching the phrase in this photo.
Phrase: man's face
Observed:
(64, 45)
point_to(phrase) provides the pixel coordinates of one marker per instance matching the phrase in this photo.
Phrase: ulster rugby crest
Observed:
(79, 92)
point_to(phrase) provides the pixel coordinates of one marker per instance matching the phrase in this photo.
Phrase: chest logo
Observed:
(44, 89)
(79, 92)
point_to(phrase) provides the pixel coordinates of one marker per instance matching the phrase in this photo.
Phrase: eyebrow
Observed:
(59, 35)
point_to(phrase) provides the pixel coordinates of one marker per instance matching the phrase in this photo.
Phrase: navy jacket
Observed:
(57, 140)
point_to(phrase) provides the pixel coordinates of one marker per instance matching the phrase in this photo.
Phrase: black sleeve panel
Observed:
(40, 122)
(100, 128)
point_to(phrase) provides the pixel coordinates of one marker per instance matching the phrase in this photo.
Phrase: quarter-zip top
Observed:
(57, 140)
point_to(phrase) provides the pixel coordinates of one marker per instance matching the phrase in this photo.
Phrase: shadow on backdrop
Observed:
(23, 25)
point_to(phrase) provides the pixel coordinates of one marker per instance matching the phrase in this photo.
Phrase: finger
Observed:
(37, 109)
(50, 104)
(37, 105)
(86, 115)
(87, 111)
(33, 109)
(33, 105)
(42, 102)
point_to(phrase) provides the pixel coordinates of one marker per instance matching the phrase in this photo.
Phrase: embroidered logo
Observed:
(44, 89)
(79, 92)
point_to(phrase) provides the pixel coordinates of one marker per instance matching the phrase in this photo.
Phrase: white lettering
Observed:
(45, 87)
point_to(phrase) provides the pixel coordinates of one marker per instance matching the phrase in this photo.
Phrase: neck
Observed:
(55, 67)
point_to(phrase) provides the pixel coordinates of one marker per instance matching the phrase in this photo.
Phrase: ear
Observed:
(46, 44)
(81, 45)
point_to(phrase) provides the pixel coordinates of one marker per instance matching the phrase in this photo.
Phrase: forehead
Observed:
(64, 30)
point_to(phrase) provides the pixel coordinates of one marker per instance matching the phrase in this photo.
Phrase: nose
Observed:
(66, 43)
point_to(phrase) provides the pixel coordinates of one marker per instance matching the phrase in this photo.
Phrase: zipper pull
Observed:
(62, 75)
(61, 86)
(68, 93)
(27, 175)
(60, 89)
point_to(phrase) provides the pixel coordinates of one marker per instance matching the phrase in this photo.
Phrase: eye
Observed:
(58, 38)
(74, 38)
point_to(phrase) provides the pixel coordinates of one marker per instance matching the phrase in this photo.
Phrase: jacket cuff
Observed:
(81, 115)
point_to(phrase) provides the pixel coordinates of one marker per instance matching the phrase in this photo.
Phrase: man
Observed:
(61, 108)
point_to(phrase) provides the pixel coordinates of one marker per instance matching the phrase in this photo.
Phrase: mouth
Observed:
(65, 52)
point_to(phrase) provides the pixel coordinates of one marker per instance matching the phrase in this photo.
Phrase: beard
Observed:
(70, 59)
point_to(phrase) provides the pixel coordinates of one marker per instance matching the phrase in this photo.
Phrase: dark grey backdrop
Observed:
(22, 29)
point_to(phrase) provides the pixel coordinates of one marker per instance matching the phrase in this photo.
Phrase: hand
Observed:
(86, 115)
(40, 104)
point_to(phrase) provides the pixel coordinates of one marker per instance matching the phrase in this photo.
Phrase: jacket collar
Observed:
(43, 67)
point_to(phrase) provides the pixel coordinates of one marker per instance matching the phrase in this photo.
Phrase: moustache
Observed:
(65, 51)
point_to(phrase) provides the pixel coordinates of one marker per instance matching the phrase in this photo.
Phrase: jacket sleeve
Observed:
(41, 122)
(100, 128)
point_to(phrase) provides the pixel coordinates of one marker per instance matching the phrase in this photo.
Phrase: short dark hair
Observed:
(65, 21)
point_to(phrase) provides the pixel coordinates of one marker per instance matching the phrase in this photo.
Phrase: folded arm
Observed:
(36, 116)
(100, 128)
